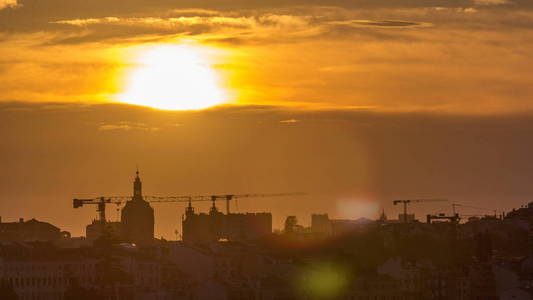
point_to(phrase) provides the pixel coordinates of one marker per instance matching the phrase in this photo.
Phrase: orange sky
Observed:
(461, 56)
(358, 100)
(52, 153)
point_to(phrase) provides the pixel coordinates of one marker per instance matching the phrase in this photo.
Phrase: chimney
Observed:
(21, 220)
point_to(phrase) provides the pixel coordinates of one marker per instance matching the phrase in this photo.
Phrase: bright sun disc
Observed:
(173, 78)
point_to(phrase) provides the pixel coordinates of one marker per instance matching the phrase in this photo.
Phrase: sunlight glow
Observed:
(173, 77)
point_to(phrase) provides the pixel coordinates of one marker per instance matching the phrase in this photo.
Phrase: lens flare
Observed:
(323, 281)
(357, 208)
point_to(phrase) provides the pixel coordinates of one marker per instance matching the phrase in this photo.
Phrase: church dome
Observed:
(138, 217)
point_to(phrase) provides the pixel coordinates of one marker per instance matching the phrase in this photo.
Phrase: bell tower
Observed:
(138, 217)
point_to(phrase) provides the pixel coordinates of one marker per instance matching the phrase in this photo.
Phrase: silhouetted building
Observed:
(94, 230)
(409, 218)
(323, 225)
(320, 224)
(523, 213)
(40, 271)
(28, 231)
(138, 217)
(202, 228)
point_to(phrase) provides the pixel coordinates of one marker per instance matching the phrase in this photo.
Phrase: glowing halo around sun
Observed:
(173, 77)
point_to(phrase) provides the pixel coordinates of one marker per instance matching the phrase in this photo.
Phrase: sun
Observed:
(173, 77)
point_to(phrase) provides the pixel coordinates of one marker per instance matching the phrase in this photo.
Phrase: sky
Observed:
(355, 102)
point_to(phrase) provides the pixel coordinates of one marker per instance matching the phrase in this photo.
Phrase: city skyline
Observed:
(347, 208)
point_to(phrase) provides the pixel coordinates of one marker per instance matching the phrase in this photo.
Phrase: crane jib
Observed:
(102, 201)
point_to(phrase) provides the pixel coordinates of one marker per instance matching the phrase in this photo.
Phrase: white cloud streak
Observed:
(491, 2)
(127, 126)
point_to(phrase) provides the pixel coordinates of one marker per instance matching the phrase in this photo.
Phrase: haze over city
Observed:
(352, 104)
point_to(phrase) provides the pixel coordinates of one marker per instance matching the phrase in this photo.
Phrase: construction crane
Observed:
(100, 201)
(214, 198)
(230, 197)
(118, 200)
(406, 202)
(454, 205)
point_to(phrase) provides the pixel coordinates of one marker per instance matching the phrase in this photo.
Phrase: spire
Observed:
(137, 187)
(383, 217)
(190, 209)
(213, 210)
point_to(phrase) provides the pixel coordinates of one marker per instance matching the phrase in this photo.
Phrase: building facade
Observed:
(203, 228)
(137, 217)
(29, 231)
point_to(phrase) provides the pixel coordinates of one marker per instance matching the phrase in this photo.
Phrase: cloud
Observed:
(272, 25)
(267, 20)
(228, 29)
(127, 126)
(397, 55)
(289, 121)
(162, 22)
(231, 28)
(193, 12)
(89, 21)
(114, 127)
(491, 2)
(382, 23)
(468, 10)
